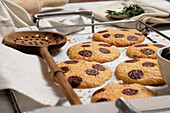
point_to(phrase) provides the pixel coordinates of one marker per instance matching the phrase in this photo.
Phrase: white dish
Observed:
(164, 66)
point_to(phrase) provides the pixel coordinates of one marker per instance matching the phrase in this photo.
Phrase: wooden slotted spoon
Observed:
(42, 42)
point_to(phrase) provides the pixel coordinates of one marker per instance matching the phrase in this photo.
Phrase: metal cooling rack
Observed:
(122, 105)
(13, 100)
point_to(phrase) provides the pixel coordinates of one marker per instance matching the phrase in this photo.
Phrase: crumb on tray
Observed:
(89, 37)
(71, 40)
(80, 96)
(80, 90)
(58, 62)
(90, 91)
(157, 35)
(89, 96)
(69, 36)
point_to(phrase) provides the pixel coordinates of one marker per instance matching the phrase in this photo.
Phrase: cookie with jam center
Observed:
(114, 91)
(94, 51)
(144, 50)
(119, 37)
(142, 71)
(85, 74)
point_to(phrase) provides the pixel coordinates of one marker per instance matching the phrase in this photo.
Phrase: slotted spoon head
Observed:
(32, 41)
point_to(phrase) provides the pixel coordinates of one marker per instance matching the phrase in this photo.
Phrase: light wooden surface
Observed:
(34, 6)
(75, 1)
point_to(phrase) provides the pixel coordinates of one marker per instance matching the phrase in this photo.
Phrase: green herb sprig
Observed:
(132, 10)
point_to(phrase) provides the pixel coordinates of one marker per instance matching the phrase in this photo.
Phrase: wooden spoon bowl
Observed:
(32, 41)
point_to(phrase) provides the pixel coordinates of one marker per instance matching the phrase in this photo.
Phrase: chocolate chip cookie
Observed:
(94, 51)
(114, 91)
(119, 37)
(85, 74)
(144, 50)
(142, 71)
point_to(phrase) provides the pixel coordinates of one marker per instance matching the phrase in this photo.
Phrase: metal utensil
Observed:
(42, 42)
(149, 27)
(13, 100)
(125, 107)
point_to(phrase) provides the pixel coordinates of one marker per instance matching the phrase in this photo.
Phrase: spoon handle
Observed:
(60, 77)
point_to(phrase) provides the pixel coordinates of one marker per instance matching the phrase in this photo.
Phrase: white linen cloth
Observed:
(24, 73)
(154, 15)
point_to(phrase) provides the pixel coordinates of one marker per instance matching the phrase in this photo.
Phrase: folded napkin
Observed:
(24, 73)
(154, 14)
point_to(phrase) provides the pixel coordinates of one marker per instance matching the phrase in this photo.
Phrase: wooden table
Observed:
(74, 1)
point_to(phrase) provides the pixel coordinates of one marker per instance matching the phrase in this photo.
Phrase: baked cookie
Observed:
(114, 91)
(142, 71)
(94, 51)
(144, 50)
(85, 74)
(119, 37)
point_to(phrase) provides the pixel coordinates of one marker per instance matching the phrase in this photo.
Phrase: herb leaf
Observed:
(132, 10)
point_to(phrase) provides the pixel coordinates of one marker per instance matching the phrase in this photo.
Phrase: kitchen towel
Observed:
(153, 15)
(24, 73)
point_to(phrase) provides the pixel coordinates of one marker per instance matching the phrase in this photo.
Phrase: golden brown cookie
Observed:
(85, 74)
(119, 37)
(144, 50)
(114, 91)
(142, 71)
(94, 51)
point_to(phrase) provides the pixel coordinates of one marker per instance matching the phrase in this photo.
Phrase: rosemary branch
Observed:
(132, 10)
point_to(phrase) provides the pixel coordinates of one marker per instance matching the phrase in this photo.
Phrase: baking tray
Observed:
(85, 36)
(152, 35)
